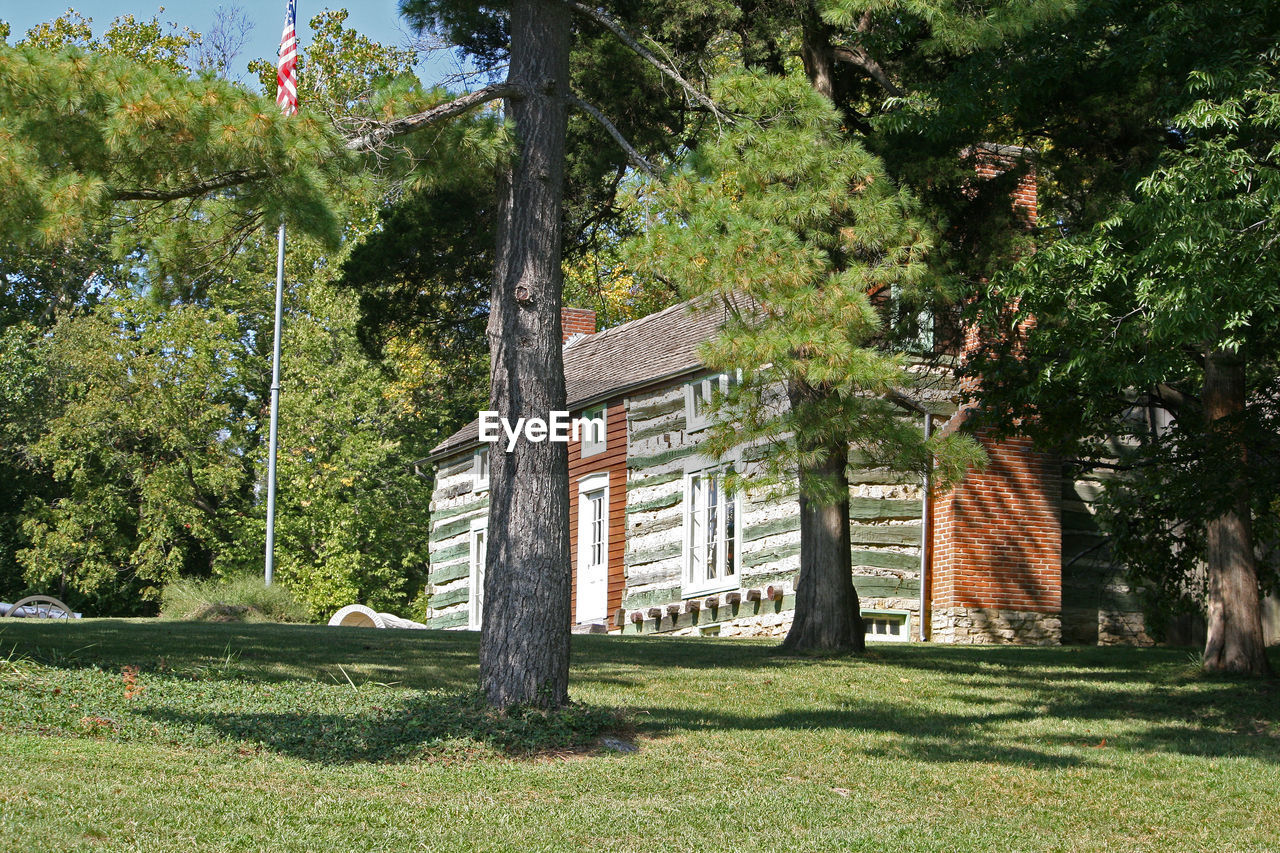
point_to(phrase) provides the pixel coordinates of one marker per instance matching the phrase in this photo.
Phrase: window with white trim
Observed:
(594, 529)
(475, 600)
(699, 394)
(920, 327)
(712, 520)
(593, 514)
(480, 470)
(593, 432)
(893, 626)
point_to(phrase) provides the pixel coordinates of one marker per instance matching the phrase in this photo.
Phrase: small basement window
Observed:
(887, 626)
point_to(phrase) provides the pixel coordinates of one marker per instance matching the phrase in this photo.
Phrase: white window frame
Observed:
(478, 543)
(694, 578)
(480, 470)
(925, 321)
(589, 485)
(703, 389)
(902, 617)
(594, 441)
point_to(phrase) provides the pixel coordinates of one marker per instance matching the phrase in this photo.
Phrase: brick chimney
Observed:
(991, 160)
(576, 321)
(994, 556)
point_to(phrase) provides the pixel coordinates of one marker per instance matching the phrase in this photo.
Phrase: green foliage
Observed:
(352, 511)
(426, 270)
(24, 402)
(82, 131)
(149, 445)
(783, 210)
(147, 41)
(238, 598)
(136, 428)
(1182, 265)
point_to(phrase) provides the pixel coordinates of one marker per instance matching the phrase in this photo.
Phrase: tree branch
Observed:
(1103, 542)
(859, 57)
(220, 182)
(417, 121)
(365, 142)
(644, 53)
(632, 154)
(1174, 400)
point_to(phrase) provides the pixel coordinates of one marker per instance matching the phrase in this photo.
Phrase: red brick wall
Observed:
(997, 538)
(991, 161)
(576, 321)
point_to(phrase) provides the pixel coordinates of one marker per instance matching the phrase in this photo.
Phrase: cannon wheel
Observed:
(46, 607)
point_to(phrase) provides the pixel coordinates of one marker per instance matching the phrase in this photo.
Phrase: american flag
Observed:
(287, 71)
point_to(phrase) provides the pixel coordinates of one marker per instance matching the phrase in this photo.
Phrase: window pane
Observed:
(712, 527)
(477, 592)
(595, 533)
(594, 432)
(697, 546)
(730, 536)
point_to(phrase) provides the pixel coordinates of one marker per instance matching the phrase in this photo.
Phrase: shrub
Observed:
(233, 599)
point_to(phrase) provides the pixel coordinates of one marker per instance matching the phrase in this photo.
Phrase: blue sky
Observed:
(377, 19)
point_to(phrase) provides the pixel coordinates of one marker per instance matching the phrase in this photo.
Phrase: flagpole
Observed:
(275, 412)
(287, 99)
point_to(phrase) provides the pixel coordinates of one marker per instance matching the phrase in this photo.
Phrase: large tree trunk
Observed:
(827, 616)
(817, 54)
(1234, 642)
(524, 640)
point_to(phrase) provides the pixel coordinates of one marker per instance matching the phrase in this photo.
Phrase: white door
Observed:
(593, 549)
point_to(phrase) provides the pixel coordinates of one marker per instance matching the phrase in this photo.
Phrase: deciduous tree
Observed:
(1164, 302)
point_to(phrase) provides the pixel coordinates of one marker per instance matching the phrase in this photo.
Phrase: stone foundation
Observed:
(766, 625)
(1122, 628)
(751, 618)
(984, 625)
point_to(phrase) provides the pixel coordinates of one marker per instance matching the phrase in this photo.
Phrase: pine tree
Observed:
(796, 228)
(524, 649)
(124, 484)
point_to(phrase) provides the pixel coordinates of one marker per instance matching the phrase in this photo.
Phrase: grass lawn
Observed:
(307, 738)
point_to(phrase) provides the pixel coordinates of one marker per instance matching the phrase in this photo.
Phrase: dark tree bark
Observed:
(827, 616)
(524, 641)
(1235, 641)
(818, 55)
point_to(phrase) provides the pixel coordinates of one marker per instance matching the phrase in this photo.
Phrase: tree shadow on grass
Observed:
(1025, 706)
(427, 725)
(266, 653)
(982, 704)
(1024, 721)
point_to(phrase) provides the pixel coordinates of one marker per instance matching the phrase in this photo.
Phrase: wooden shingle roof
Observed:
(643, 352)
